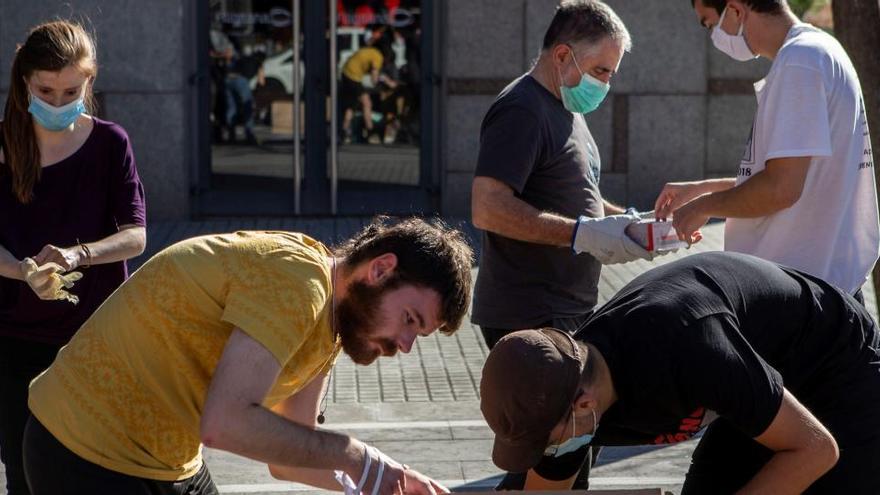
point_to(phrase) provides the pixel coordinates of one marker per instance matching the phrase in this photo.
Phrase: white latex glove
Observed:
(644, 215)
(605, 238)
(652, 216)
(48, 281)
(647, 215)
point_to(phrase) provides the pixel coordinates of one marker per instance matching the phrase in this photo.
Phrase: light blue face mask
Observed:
(587, 95)
(574, 443)
(56, 118)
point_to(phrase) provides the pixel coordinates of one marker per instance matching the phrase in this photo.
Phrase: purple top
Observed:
(86, 196)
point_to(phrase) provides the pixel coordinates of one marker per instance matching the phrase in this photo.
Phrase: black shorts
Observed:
(349, 93)
(52, 469)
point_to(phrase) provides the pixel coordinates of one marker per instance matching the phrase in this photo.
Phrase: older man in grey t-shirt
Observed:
(536, 191)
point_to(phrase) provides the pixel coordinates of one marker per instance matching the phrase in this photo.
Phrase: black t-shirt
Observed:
(547, 155)
(248, 65)
(720, 334)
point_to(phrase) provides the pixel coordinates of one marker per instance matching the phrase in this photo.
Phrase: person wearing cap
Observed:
(790, 401)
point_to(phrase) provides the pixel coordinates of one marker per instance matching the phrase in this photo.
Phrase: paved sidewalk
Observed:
(423, 408)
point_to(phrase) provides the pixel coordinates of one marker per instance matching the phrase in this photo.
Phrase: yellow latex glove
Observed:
(48, 281)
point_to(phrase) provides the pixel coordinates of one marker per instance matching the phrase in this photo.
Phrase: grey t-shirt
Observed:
(547, 155)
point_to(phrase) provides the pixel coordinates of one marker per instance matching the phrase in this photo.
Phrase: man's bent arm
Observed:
(804, 451)
(495, 208)
(777, 187)
(235, 420)
(303, 408)
(676, 194)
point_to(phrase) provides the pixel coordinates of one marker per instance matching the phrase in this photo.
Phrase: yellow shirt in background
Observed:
(127, 392)
(362, 62)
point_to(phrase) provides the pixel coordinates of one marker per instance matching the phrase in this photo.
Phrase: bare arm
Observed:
(804, 451)
(776, 188)
(495, 208)
(9, 265)
(129, 242)
(391, 83)
(676, 194)
(235, 420)
(534, 482)
(612, 209)
(302, 408)
(125, 244)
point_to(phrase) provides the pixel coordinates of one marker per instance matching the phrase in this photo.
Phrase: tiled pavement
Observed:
(423, 408)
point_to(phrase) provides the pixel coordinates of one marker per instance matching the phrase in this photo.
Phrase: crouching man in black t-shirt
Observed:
(785, 367)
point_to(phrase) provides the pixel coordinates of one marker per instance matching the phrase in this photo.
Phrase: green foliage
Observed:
(801, 7)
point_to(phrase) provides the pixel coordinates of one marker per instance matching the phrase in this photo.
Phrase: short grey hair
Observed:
(589, 21)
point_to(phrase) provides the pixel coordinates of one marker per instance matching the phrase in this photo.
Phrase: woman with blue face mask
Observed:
(72, 212)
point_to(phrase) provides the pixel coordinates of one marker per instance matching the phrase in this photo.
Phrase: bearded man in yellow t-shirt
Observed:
(227, 340)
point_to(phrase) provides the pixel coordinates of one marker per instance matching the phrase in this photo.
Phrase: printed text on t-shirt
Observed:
(688, 427)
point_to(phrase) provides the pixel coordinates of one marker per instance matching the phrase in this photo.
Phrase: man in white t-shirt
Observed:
(804, 195)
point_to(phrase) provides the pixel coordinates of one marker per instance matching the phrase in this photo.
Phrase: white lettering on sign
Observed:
(396, 18)
(276, 17)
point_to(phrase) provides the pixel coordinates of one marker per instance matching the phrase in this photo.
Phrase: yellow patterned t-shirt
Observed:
(361, 63)
(127, 392)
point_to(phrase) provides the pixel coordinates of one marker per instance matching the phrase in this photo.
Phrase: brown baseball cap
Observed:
(529, 382)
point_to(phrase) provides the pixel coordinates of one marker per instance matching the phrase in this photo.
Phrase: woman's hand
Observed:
(67, 258)
(48, 281)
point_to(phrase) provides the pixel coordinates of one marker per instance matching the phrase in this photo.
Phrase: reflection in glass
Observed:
(252, 86)
(252, 53)
(378, 76)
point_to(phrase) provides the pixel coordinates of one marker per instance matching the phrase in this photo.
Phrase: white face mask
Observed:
(574, 443)
(735, 46)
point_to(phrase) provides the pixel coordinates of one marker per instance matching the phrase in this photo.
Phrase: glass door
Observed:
(256, 106)
(376, 160)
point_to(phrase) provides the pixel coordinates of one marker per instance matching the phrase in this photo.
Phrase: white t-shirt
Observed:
(810, 104)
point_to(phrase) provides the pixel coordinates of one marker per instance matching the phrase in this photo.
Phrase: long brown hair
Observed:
(49, 47)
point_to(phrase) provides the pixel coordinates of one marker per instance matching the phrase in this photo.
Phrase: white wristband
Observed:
(378, 482)
(367, 461)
